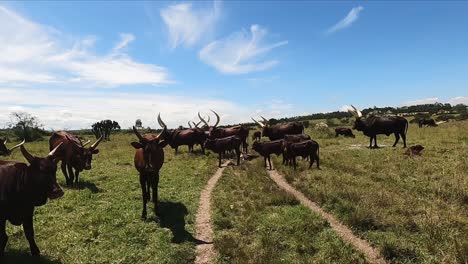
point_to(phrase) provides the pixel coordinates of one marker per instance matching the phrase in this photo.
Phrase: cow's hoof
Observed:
(35, 252)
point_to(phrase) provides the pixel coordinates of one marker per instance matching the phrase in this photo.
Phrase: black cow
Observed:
(347, 132)
(24, 187)
(307, 148)
(221, 145)
(374, 126)
(257, 135)
(427, 122)
(4, 151)
(267, 148)
(279, 131)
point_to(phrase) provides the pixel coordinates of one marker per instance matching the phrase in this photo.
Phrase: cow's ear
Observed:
(95, 151)
(163, 143)
(137, 145)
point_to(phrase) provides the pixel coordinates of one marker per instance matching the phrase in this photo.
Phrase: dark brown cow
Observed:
(347, 132)
(221, 145)
(265, 149)
(296, 138)
(181, 137)
(24, 187)
(73, 154)
(427, 122)
(241, 131)
(279, 131)
(4, 151)
(257, 135)
(149, 158)
(307, 148)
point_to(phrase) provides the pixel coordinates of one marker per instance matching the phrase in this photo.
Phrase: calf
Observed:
(267, 148)
(24, 187)
(347, 132)
(307, 148)
(221, 145)
(257, 135)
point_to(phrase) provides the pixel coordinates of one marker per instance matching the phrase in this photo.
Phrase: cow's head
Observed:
(42, 176)
(150, 144)
(84, 156)
(211, 131)
(3, 148)
(359, 124)
(210, 143)
(265, 126)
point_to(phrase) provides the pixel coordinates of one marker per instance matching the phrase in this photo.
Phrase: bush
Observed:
(463, 116)
(445, 117)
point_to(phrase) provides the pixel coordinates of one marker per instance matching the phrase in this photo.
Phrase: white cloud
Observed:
(352, 16)
(241, 52)
(187, 25)
(458, 100)
(429, 100)
(34, 53)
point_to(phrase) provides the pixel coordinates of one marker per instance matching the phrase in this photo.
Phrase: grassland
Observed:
(415, 210)
(100, 221)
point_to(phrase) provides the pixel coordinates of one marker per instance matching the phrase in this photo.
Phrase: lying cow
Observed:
(347, 132)
(24, 187)
(307, 148)
(221, 145)
(4, 151)
(267, 148)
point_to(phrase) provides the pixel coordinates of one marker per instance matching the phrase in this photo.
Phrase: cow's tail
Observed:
(406, 128)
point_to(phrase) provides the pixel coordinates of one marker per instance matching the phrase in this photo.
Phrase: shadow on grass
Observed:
(87, 185)
(172, 216)
(13, 256)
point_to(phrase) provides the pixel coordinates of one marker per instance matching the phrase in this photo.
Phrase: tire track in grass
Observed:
(371, 254)
(205, 252)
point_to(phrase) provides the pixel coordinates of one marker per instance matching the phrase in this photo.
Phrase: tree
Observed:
(26, 126)
(138, 124)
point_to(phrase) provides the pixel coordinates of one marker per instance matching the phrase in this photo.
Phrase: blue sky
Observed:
(73, 63)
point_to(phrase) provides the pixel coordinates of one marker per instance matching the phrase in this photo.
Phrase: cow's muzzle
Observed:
(56, 192)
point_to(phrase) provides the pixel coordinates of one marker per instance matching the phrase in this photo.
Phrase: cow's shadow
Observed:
(84, 185)
(15, 256)
(172, 216)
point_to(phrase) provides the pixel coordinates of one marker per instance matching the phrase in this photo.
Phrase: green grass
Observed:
(100, 222)
(256, 222)
(415, 210)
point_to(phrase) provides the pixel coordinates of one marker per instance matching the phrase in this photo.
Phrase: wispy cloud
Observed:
(350, 18)
(429, 100)
(35, 53)
(241, 52)
(187, 25)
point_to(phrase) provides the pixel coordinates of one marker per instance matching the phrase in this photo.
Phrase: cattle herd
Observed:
(23, 186)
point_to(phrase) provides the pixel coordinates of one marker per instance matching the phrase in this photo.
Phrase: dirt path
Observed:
(371, 254)
(206, 252)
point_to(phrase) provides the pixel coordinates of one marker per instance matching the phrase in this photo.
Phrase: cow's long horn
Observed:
(17, 146)
(265, 120)
(27, 155)
(359, 114)
(86, 143)
(260, 124)
(188, 122)
(161, 123)
(217, 118)
(203, 120)
(52, 153)
(137, 133)
(4, 142)
(162, 132)
(93, 146)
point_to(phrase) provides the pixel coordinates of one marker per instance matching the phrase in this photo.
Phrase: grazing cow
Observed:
(241, 131)
(180, 137)
(265, 149)
(306, 148)
(4, 151)
(221, 145)
(149, 158)
(427, 122)
(257, 135)
(374, 126)
(347, 132)
(24, 187)
(278, 131)
(73, 154)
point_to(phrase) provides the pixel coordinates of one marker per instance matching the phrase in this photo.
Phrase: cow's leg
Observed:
(176, 149)
(311, 160)
(143, 194)
(29, 232)
(269, 161)
(375, 142)
(63, 166)
(154, 186)
(265, 160)
(397, 138)
(370, 141)
(294, 162)
(202, 148)
(238, 152)
(71, 174)
(317, 157)
(219, 159)
(77, 173)
(3, 236)
(403, 136)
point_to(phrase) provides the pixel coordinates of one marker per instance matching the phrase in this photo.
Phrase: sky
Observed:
(74, 63)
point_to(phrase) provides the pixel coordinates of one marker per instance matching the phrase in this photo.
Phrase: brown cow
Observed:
(149, 158)
(221, 145)
(347, 132)
(73, 154)
(24, 187)
(307, 148)
(279, 131)
(267, 148)
(4, 151)
(180, 137)
(241, 131)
